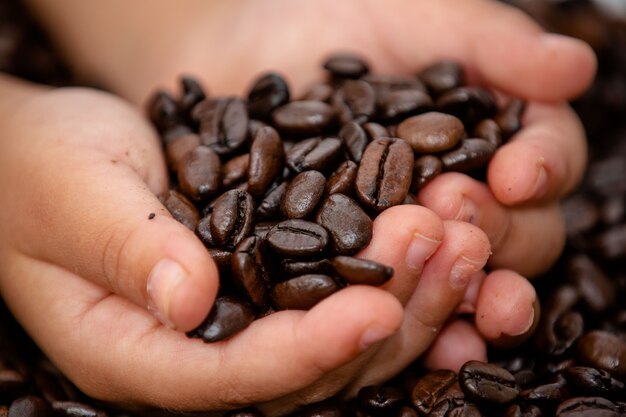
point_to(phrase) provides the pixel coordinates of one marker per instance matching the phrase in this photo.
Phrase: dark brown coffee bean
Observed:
(249, 273)
(193, 93)
(266, 160)
(613, 210)
(489, 130)
(203, 231)
(485, 382)
(380, 400)
(455, 407)
(590, 381)
(594, 287)
(320, 91)
(431, 132)
(425, 169)
(29, 406)
(354, 101)
(222, 259)
(346, 65)
(350, 228)
(297, 238)
(303, 292)
(342, 180)
(588, 407)
(611, 244)
(223, 124)
(303, 117)
(177, 149)
(313, 154)
(181, 209)
(270, 205)
(516, 410)
(163, 111)
(603, 350)
(295, 267)
(231, 220)
(548, 394)
(361, 271)
(75, 409)
(549, 339)
(303, 194)
(200, 173)
(579, 213)
(383, 84)
(470, 104)
(404, 103)
(430, 389)
(385, 173)
(355, 139)
(509, 119)
(268, 92)
(235, 170)
(228, 316)
(443, 76)
(375, 131)
(473, 154)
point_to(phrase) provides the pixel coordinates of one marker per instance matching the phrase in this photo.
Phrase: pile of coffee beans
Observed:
(283, 192)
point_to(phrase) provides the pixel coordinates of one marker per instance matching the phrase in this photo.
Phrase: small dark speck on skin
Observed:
(151, 216)
(114, 161)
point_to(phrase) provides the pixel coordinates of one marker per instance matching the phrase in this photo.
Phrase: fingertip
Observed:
(457, 343)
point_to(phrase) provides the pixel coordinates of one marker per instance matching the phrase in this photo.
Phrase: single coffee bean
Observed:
(455, 407)
(430, 389)
(375, 131)
(547, 394)
(473, 154)
(199, 174)
(590, 381)
(594, 287)
(249, 273)
(303, 117)
(342, 180)
(231, 220)
(303, 292)
(179, 148)
(613, 210)
(470, 104)
(404, 103)
(611, 244)
(355, 140)
(431, 132)
(303, 194)
(385, 173)
(443, 76)
(346, 65)
(354, 101)
(588, 406)
(203, 231)
(228, 316)
(297, 238)
(261, 229)
(29, 406)
(223, 124)
(603, 350)
(222, 259)
(163, 111)
(361, 271)
(75, 409)
(554, 307)
(181, 209)
(350, 228)
(270, 205)
(266, 160)
(320, 91)
(384, 84)
(296, 267)
(509, 119)
(380, 400)
(484, 382)
(489, 130)
(193, 93)
(235, 170)
(314, 153)
(269, 92)
(425, 169)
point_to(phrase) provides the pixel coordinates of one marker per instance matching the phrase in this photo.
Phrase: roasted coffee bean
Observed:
(470, 156)
(548, 394)
(509, 119)
(199, 174)
(270, 205)
(443, 76)
(404, 103)
(228, 316)
(516, 410)
(203, 231)
(385, 173)
(383, 84)
(193, 93)
(346, 65)
(235, 170)
(223, 124)
(222, 259)
(269, 92)
(588, 406)
(181, 209)
(603, 350)
(580, 214)
(249, 272)
(295, 267)
(29, 406)
(232, 217)
(342, 180)
(303, 292)
(350, 228)
(266, 160)
(594, 287)
(361, 271)
(380, 400)
(611, 244)
(303, 194)
(75, 409)
(303, 117)
(484, 382)
(590, 381)
(425, 169)
(314, 153)
(297, 238)
(179, 148)
(354, 101)
(262, 229)
(455, 407)
(489, 130)
(431, 132)
(470, 104)
(355, 140)
(555, 306)
(320, 91)
(613, 210)
(12, 382)
(375, 131)
(430, 389)
(163, 111)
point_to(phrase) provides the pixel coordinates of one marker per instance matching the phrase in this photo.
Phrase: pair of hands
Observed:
(79, 170)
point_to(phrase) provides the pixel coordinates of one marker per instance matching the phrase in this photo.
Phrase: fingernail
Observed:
(541, 183)
(468, 212)
(524, 329)
(556, 40)
(165, 278)
(373, 335)
(420, 249)
(462, 272)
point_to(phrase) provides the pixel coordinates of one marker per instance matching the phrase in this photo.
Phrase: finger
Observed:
(507, 309)
(97, 217)
(500, 43)
(544, 161)
(457, 343)
(110, 347)
(526, 239)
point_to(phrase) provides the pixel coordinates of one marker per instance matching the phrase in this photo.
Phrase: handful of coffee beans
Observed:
(283, 192)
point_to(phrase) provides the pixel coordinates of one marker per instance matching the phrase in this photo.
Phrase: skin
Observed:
(81, 168)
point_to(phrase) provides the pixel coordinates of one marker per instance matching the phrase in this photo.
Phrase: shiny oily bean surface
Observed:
(473, 154)
(303, 194)
(443, 76)
(380, 400)
(355, 100)
(303, 292)
(248, 271)
(30, 406)
(588, 406)
(346, 65)
(232, 218)
(181, 209)
(403, 103)
(350, 228)
(223, 124)
(228, 316)
(75, 409)
(297, 238)
(431, 387)
(192, 94)
(303, 117)
(455, 407)
(179, 148)
(355, 140)
(314, 153)
(431, 132)
(266, 160)
(200, 173)
(425, 169)
(361, 271)
(485, 382)
(235, 170)
(470, 104)
(603, 350)
(342, 180)
(269, 92)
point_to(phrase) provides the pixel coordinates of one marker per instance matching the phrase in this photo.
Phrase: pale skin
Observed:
(79, 170)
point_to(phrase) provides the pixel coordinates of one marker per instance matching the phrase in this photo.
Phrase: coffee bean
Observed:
(604, 351)
(181, 209)
(470, 104)
(29, 406)
(75, 409)
(222, 259)
(266, 160)
(223, 124)
(431, 132)
(485, 382)
(228, 316)
(249, 272)
(320, 91)
(346, 65)
(361, 271)
(261, 229)
(303, 117)
(430, 389)
(303, 194)
(473, 154)
(231, 220)
(594, 288)
(380, 400)
(549, 394)
(384, 175)
(270, 205)
(455, 407)
(509, 119)
(375, 131)
(611, 244)
(342, 180)
(443, 76)
(590, 381)
(303, 292)
(384, 84)
(269, 92)
(295, 267)
(588, 406)
(350, 228)
(404, 103)
(297, 238)
(355, 140)
(199, 174)
(163, 111)
(425, 169)
(354, 101)
(489, 130)
(313, 154)
(193, 93)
